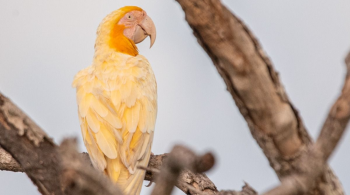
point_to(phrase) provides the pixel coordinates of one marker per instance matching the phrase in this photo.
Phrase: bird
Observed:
(117, 99)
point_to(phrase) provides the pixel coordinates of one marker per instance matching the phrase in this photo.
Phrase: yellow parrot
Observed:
(117, 99)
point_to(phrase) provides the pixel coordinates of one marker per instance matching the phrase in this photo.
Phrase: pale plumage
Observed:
(117, 106)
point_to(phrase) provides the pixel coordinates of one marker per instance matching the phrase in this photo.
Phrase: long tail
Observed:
(130, 184)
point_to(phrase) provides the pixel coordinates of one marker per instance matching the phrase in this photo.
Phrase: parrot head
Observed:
(125, 27)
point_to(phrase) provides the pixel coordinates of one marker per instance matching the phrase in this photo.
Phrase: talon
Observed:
(150, 183)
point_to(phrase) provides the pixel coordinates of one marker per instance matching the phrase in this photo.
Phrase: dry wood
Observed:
(30, 147)
(315, 159)
(179, 159)
(187, 178)
(255, 86)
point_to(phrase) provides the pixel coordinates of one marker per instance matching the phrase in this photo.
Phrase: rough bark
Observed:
(315, 159)
(255, 87)
(186, 180)
(180, 158)
(8, 163)
(30, 147)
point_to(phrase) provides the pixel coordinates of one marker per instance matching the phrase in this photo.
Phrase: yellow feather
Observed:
(146, 144)
(132, 117)
(136, 139)
(131, 100)
(113, 120)
(143, 122)
(92, 121)
(107, 142)
(84, 104)
(125, 90)
(80, 94)
(113, 169)
(116, 98)
(99, 107)
(96, 155)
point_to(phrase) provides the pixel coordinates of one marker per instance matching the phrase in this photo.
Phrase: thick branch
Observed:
(255, 87)
(315, 159)
(31, 148)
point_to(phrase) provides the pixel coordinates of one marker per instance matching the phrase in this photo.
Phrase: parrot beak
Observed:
(144, 29)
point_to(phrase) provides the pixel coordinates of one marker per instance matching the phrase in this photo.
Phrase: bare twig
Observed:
(180, 158)
(187, 178)
(315, 159)
(255, 86)
(246, 190)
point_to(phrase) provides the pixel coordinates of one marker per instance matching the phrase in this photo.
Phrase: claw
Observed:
(150, 183)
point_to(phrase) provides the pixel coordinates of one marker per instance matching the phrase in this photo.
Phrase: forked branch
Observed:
(256, 89)
(315, 159)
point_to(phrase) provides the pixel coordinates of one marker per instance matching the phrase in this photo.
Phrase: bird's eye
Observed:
(129, 16)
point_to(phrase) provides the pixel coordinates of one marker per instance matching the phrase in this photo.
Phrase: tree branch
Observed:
(7, 163)
(255, 86)
(316, 158)
(30, 147)
(179, 159)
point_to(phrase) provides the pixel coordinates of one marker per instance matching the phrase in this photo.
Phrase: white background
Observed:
(43, 44)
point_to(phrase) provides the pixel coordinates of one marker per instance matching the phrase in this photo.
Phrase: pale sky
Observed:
(43, 44)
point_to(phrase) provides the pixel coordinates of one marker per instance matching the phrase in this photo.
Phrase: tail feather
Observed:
(130, 184)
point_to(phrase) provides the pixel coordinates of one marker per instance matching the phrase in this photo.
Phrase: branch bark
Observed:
(255, 86)
(180, 159)
(30, 147)
(315, 159)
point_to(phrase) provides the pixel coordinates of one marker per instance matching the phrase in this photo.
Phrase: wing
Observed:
(117, 111)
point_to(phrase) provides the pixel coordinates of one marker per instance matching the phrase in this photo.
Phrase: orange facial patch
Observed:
(118, 41)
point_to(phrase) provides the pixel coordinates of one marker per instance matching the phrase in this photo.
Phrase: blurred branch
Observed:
(179, 159)
(315, 159)
(81, 179)
(187, 178)
(256, 89)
